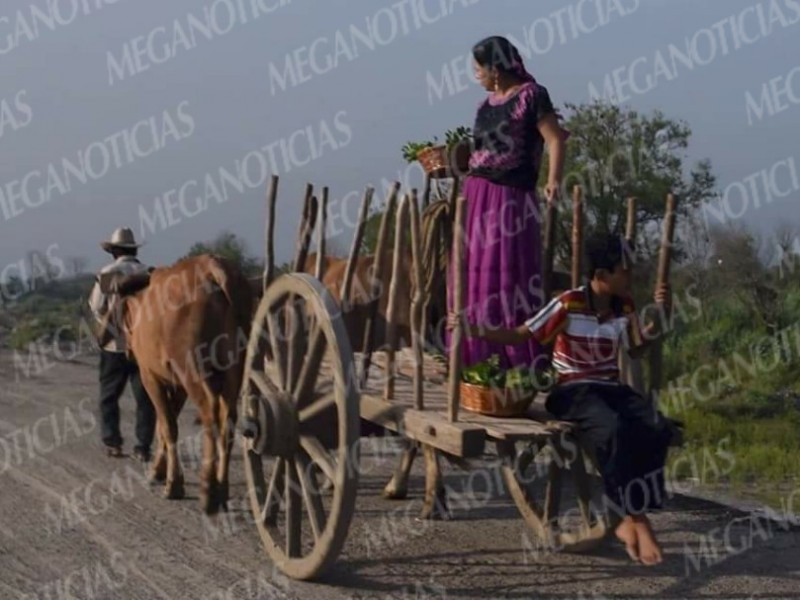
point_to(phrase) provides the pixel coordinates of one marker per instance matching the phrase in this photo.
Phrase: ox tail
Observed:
(236, 289)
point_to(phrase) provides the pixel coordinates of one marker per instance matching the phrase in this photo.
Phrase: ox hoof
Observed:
(214, 499)
(436, 511)
(174, 490)
(158, 474)
(392, 492)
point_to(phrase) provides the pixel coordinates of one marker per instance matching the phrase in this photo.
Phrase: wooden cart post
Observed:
(307, 220)
(394, 290)
(577, 234)
(454, 375)
(662, 277)
(454, 195)
(269, 251)
(548, 250)
(355, 249)
(379, 259)
(630, 223)
(416, 301)
(323, 223)
(426, 193)
(631, 369)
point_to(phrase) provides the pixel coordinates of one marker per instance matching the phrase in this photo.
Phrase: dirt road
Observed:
(75, 524)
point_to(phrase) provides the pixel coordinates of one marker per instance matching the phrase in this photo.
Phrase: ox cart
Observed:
(308, 387)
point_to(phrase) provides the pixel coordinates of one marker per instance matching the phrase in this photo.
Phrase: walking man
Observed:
(115, 367)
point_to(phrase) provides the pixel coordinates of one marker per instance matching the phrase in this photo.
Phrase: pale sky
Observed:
(58, 101)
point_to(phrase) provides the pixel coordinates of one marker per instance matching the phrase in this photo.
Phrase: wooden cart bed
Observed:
(466, 437)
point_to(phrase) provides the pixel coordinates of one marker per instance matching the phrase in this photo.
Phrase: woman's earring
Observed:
(496, 86)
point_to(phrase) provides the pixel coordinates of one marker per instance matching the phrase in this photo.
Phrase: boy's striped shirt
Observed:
(585, 348)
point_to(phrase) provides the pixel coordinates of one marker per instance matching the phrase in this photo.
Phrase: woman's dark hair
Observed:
(606, 251)
(497, 52)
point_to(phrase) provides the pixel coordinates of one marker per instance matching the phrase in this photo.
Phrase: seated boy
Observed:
(630, 437)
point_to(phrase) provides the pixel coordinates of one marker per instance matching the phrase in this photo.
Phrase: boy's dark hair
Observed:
(606, 251)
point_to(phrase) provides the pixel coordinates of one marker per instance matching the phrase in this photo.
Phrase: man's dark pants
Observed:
(115, 371)
(630, 439)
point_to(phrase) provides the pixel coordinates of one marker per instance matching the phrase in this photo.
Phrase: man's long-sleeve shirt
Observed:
(100, 303)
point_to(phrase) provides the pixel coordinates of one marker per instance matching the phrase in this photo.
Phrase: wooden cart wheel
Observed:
(536, 485)
(299, 408)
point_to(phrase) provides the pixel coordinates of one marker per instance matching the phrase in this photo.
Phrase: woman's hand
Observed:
(551, 192)
(553, 135)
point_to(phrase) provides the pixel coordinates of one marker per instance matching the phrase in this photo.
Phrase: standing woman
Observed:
(503, 257)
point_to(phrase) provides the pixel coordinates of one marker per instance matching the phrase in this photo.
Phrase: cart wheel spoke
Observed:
(297, 338)
(265, 387)
(311, 367)
(294, 510)
(319, 455)
(278, 342)
(311, 497)
(317, 407)
(269, 513)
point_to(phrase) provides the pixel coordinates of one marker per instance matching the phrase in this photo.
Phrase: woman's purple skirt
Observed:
(503, 284)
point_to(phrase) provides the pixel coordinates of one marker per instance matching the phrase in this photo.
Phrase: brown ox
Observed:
(187, 328)
(356, 313)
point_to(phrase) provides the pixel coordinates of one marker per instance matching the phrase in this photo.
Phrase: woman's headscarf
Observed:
(497, 51)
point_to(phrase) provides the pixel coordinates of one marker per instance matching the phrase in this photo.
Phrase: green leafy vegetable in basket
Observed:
(488, 373)
(453, 137)
(412, 149)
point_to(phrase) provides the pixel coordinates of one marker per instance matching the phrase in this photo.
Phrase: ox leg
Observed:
(159, 470)
(397, 488)
(158, 473)
(206, 400)
(226, 420)
(435, 505)
(167, 425)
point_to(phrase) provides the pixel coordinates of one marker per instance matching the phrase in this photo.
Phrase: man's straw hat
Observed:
(121, 238)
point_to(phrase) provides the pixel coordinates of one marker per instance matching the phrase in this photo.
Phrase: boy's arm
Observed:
(500, 335)
(543, 327)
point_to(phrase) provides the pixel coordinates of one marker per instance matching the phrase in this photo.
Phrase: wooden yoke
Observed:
(662, 277)
(577, 234)
(454, 372)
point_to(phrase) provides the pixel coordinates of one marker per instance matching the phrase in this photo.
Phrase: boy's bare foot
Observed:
(649, 548)
(626, 533)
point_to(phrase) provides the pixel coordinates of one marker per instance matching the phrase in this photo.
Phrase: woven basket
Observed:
(495, 402)
(437, 163)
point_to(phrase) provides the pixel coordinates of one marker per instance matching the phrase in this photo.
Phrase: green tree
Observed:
(229, 245)
(616, 153)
